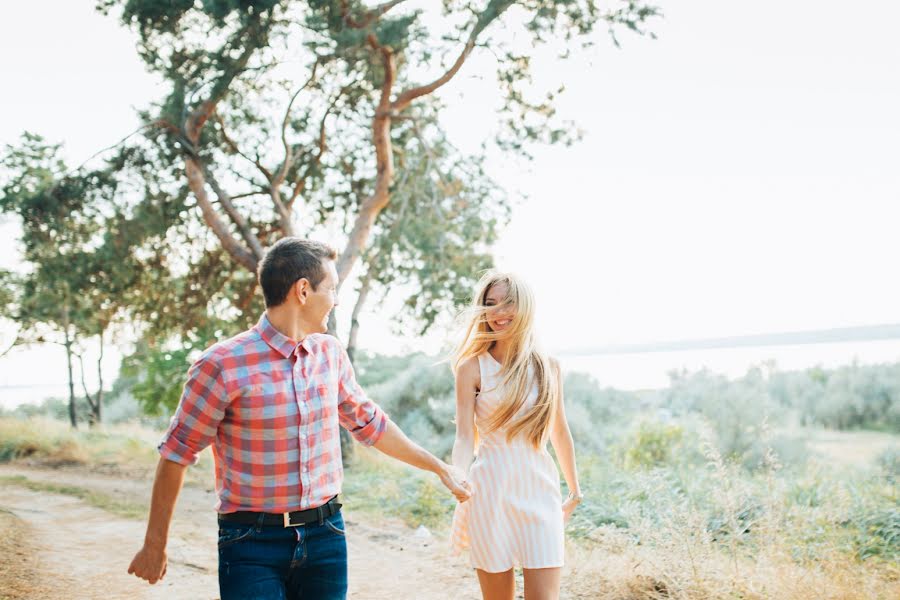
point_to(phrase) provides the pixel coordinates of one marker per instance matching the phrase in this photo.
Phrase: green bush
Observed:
(878, 534)
(889, 461)
(651, 445)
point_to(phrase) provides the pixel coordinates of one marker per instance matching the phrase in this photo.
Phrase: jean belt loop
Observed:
(259, 522)
(321, 512)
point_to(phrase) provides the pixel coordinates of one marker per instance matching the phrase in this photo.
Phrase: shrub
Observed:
(651, 445)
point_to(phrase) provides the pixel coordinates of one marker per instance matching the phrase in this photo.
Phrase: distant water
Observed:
(14, 395)
(649, 370)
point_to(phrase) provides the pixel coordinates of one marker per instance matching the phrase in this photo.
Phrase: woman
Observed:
(509, 403)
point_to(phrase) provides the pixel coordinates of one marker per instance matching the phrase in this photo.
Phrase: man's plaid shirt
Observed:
(271, 409)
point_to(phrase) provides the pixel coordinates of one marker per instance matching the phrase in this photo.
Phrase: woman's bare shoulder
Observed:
(469, 371)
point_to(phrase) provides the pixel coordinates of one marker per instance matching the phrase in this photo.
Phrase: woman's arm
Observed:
(561, 438)
(468, 378)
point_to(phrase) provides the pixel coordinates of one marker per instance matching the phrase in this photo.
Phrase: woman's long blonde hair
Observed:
(525, 365)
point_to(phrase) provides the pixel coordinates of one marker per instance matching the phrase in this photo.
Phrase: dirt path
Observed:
(80, 551)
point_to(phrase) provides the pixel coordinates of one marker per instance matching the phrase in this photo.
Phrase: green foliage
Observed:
(851, 397)
(878, 534)
(594, 413)
(126, 240)
(431, 505)
(159, 377)
(889, 461)
(421, 400)
(738, 412)
(10, 291)
(434, 238)
(652, 445)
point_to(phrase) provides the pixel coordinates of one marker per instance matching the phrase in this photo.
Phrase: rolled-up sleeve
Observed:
(201, 409)
(358, 414)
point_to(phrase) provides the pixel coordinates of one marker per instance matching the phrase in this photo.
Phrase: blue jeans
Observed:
(278, 563)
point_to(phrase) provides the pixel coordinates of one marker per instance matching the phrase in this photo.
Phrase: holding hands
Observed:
(455, 480)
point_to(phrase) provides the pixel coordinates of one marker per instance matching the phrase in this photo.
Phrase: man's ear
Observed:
(302, 289)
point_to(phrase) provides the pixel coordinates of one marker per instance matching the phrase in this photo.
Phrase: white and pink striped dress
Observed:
(514, 517)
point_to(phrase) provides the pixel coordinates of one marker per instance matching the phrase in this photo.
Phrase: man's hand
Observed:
(454, 479)
(149, 563)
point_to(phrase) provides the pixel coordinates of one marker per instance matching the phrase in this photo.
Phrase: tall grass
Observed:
(695, 495)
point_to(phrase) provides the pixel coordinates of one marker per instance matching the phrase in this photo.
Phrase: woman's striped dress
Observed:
(514, 517)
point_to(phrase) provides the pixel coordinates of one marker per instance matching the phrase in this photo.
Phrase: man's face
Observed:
(319, 302)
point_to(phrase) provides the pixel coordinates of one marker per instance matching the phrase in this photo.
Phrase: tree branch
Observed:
(19, 340)
(364, 287)
(300, 184)
(384, 162)
(492, 12)
(250, 194)
(369, 16)
(198, 117)
(87, 395)
(284, 211)
(288, 151)
(197, 183)
(233, 147)
(236, 217)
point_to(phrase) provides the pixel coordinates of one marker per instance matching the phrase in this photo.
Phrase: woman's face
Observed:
(499, 318)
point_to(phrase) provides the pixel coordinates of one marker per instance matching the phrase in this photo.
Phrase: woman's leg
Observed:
(497, 586)
(542, 584)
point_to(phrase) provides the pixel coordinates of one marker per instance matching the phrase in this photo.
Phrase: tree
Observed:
(281, 117)
(10, 289)
(78, 270)
(434, 237)
(331, 67)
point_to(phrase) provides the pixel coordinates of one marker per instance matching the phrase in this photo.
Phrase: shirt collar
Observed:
(277, 340)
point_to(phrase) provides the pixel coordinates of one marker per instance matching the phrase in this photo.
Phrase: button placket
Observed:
(304, 420)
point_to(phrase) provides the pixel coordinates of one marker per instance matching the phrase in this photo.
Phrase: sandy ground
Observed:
(71, 549)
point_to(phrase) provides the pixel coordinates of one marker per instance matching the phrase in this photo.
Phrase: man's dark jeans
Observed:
(278, 563)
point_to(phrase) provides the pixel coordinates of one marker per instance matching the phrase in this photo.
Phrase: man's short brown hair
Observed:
(288, 260)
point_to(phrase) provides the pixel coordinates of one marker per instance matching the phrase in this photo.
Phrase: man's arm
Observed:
(150, 561)
(369, 425)
(395, 444)
(193, 428)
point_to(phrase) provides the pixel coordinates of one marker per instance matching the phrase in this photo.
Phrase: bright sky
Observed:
(737, 175)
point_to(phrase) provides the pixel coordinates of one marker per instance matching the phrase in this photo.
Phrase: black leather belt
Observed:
(287, 519)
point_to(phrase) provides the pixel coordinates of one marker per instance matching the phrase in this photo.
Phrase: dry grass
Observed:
(126, 450)
(615, 567)
(799, 541)
(114, 505)
(17, 568)
(767, 556)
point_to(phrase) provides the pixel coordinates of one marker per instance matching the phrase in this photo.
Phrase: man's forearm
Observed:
(166, 486)
(395, 444)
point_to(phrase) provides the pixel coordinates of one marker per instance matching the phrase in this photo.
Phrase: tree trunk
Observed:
(364, 287)
(94, 403)
(97, 406)
(73, 416)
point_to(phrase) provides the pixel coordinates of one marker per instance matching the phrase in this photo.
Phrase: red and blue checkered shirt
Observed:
(271, 409)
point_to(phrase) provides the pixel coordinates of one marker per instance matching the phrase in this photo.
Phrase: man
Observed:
(270, 401)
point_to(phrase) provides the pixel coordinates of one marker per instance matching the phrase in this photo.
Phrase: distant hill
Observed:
(820, 336)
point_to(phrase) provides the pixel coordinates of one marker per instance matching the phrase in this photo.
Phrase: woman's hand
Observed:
(570, 504)
(454, 479)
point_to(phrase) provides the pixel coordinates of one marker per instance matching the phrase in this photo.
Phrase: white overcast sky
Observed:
(738, 175)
